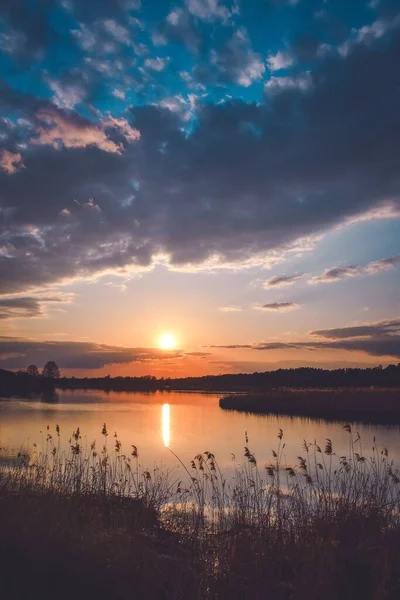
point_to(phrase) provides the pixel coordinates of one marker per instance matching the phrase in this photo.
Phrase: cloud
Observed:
(368, 34)
(185, 107)
(27, 307)
(301, 82)
(17, 353)
(69, 91)
(120, 94)
(198, 354)
(280, 60)
(209, 10)
(372, 268)
(380, 338)
(121, 125)
(120, 33)
(179, 27)
(10, 162)
(336, 274)
(59, 129)
(248, 184)
(377, 329)
(282, 281)
(387, 210)
(236, 61)
(231, 308)
(385, 264)
(29, 24)
(278, 306)
(156, 64)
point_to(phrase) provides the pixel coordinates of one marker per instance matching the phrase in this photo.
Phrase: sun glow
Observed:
(167, 341)
(166, 424)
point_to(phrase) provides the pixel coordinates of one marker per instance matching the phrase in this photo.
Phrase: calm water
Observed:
(187, 422)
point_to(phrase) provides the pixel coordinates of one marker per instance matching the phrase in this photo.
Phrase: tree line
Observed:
(50, 370)
(303, 377)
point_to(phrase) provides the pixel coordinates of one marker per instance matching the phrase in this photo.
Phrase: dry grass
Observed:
(94, 522)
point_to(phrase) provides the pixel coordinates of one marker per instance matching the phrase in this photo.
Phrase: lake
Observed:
(187, 422)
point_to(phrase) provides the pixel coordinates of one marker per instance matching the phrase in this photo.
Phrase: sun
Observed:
(167, 341)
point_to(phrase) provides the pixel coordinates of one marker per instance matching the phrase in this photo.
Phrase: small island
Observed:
(378, 405)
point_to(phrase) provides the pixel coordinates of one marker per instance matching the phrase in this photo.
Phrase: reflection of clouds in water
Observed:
(166, 424)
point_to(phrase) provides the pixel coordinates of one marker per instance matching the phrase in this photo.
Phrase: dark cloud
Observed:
(23, 307)
(180, 27)
(282, 281)
(18, 353)
(371, 268)
(386, 8)
(388, 346)
(376, 339)
(264, 346)
(379, 329)
(32, 21)
(279, 306)
(306, 47)
(249, 181)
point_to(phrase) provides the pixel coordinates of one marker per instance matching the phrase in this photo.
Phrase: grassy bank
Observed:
(370, 405)
(93, 523)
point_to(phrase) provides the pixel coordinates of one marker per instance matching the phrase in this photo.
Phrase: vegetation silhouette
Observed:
(29, 382)
(380, 405)
(282, 378)
(33, 371)
(371, 394)
(51, 370)
(92, 522)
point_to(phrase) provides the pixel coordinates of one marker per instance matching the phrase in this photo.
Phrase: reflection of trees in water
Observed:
(11, 461)
(50, 396)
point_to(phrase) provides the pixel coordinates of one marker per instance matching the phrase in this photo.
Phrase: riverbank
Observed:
(299, 378)
(370, 405)
(94, 523)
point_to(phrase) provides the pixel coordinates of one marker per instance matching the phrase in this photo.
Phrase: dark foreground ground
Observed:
(370, 405)
(59, 548)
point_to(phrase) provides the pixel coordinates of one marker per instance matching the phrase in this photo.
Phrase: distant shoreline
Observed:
(251, 384)
(299, 378)
(367, 405)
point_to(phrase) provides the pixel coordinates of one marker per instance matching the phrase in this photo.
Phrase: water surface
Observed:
(187, 422)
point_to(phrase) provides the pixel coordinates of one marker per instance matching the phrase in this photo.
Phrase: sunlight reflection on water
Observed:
(166, 424)
(186, 422)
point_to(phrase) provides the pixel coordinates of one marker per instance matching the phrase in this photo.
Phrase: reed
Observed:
(94, 521)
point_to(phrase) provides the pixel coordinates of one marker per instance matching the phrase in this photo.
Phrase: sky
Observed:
(222, 172)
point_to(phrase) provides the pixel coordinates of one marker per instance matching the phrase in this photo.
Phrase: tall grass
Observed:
(327, 526)
(87, 470)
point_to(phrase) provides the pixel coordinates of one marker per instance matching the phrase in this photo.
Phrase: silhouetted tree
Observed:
(51, 370)
(33, 370)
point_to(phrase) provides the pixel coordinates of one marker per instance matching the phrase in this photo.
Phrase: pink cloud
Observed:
(10, 162)
(71, 131)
